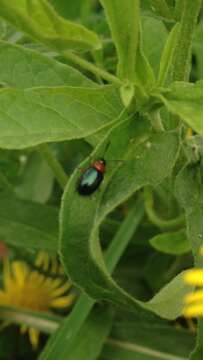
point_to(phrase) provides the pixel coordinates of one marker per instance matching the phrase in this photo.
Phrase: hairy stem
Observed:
(182, 56)
(84, 64)
(156, 121)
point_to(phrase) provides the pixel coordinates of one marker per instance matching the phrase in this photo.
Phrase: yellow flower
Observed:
(48, 262)
(28, 289)
(194, 300)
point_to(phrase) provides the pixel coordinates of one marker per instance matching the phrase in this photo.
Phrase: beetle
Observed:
(92, 177)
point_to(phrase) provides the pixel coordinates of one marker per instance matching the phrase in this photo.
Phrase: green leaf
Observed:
(162, 8)
(148, 335)
(174, 243)
(62, 339)
(186, 101)
(144, 76)
(90, 338)
(147, 162)
(68, 9)
(167, 55)
(188, 187)
(127, 92)
(8, 336)
(58, 343)
(33, 116)
(197, 353)
(123, 19)
(87, 343)
(153, 29)
(23, 68)
(27, 224)
(38, 19)
(198, 49)
(189, 178)
(37, 181)
(195, 231)
(168, 302)
(121, 350)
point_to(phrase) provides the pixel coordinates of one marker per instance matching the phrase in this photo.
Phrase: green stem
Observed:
(156, 121)
(54, 164)
(162, 8)
(91, 67)
(177, 222)
(47, 323)
(99, 79)
(64, 338)
(124, 235)
(182, 56)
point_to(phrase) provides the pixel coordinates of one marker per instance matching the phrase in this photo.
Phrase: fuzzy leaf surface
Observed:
(27, 224)
(24, 68)
(148, 160)
(33, 116)
(186, 101)
(38, 19)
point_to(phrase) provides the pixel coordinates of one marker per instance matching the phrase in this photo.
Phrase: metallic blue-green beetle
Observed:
(92, 178)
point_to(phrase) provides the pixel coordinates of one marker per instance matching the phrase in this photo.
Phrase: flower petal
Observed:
(34, 337)
(7, 278)
(63, 301)
(3, 297)
(193, 310)
(20, 271)
(60, 290)
(193, 297)
(54, 264)
(194, 277)
(52, 283)
(42, 260)
(36, 277)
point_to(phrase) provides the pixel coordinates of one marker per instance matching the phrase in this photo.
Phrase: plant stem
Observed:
(47, 323)
(182, 56)
(124, 235)
(91, 67)
(63, 339)
(156, 121)
(162, 8)
(177, 222)
(54, 164)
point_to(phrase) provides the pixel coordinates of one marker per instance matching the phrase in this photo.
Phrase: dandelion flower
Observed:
(49, 263)
(194, 301)
(29, 289)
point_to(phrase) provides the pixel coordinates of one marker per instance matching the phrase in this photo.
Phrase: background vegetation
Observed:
(81, 80)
